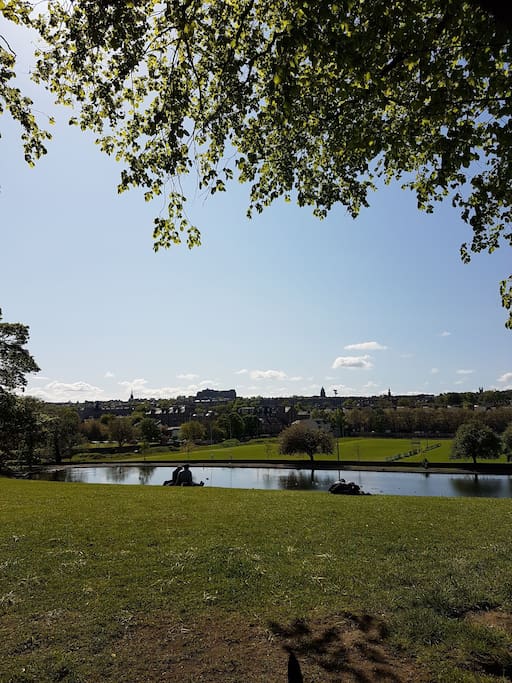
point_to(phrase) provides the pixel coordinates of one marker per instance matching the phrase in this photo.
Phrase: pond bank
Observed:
(352, 465)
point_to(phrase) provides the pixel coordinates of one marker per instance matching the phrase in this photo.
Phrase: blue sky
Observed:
(280, 305)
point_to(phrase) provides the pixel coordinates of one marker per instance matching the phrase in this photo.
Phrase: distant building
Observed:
(310, 423)
(214, 395)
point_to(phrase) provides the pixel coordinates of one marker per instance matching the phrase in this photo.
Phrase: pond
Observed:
(391, 483)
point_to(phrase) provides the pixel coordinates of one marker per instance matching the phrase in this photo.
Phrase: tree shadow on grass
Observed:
(350, 647)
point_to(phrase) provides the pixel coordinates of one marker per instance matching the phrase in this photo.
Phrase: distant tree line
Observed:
(442, 421)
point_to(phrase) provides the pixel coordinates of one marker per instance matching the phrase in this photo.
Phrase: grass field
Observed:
(355, 449)
(133, 583)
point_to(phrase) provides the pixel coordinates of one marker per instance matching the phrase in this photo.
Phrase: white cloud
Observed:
(507, 377)
(460, 381)
(141, 389)
(190, 376)
(352, 362)
(445, 334)
(435, 371)
(75, 387)
(296, 379)
(209, 384)
(465, 372)
(243, 371)
(407, 355)
(267, 374)
(60, 392)
(108, 375)
(366, 346)
(270, 390)
(135, 384)
(371, 385)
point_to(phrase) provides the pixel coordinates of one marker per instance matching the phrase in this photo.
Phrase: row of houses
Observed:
(273, 414)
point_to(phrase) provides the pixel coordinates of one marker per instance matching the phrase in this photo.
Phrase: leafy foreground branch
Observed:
(302, 100)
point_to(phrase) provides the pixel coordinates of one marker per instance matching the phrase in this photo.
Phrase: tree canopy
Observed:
(475, 440)
(506, 439)
(120, 430)
(192, 431)
(300, 438)
(15, 360)
(313, 102)
(23, 431)
(149, 430)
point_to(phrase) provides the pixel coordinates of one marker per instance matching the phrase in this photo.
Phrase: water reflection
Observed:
(490, 487)
(146, 474)
(71, 475)
(394, 483)
(299, 479)
(117, 475)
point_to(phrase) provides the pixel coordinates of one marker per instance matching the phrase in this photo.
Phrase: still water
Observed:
(391, 483)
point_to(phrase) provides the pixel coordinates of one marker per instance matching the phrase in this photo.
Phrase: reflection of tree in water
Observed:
(61, 475)
(117, 474)
(54, 475)
(300, 479)
(76, 475)
(145, 473)
(473, 485)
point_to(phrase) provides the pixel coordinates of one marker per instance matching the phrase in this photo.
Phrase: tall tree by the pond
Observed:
(63, 427)
(23, 433)
(121, 430)
(300, 438)
(475, 440)
(15, 360)
(506, 439)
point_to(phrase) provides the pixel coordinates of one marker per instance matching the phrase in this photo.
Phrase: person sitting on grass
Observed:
(185, 478)
(174, 477)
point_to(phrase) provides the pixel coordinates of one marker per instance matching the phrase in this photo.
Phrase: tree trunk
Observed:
(56, 446)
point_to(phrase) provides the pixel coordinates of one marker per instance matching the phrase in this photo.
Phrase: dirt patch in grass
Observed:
(492, 619)
(230, 649)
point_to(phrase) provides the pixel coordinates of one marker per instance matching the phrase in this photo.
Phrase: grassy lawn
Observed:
(355, 449)
(379, 449)
(133, 583)
(350, 448)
